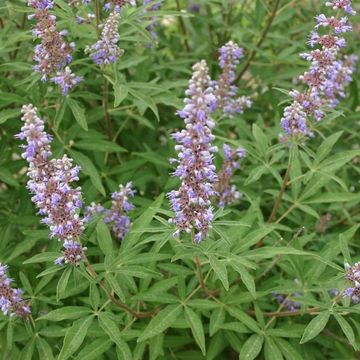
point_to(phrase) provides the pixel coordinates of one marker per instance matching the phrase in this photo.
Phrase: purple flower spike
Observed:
(225, 90)
(191, 202)
(328, 75)
(51, 181)
(53, 53)
(11, 302)
(106, 50)
(225, 192)
(116, 216)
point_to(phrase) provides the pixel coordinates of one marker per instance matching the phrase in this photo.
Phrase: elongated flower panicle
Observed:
(53, 54)
(329, 73)
(116, 5)
(225, 192)
(11, 302)
(50, 181)
(195, 168)
(225, 90)
(116, 215)
(106, 51)
(353, 274)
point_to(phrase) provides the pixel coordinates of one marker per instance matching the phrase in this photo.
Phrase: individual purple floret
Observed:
(225, 90)
(341, 4)
(89, 18)
(194, 8)
(73, 253)
(66, 80)
(106, 51)
(290, 305)
(116, 215)
(92, 210)
(53, 53)
(225, 192)
(328, 75)
(50, 181)
(116, 5)
(353, 274)
(11, 302)
(195, 168)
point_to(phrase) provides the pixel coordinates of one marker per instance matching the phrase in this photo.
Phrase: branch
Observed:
(260, 41)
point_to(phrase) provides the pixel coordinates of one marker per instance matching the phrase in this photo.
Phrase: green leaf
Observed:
(260, 138)
(88, 168)
(244, 319)
(7, 177)
(65, 313)
(347, 329)
(121, 91)
(287, 350)
(9, 114)
(114, 284)
(246, 278)
(94, 349)
(217, 318)
(271, 350)
(140, 223)
(44, 349)
(78, 112)
(42, 257)
(315, 326)
(220, 270)
(344, 239)
(161, 322)
(110, 328)
(252, 347)
(74, 337)
(104, 238)
(156, 346)
(146, 100)
(333, 197)
(63, 281)
(196, 327)
(98, 145)
(327, 145)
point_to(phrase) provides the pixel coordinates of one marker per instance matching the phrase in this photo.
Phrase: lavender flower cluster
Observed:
(116, 5)
(224, 88)
(290, 305)
(106, 51)
(329, 72)
(53, 54)
(191, 203)
(50, 183)
(116, 216)
(11, 302)
(225, 192)
(199, 181)
(353, 274)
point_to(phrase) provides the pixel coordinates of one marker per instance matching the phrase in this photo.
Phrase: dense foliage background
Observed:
(167, 298)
